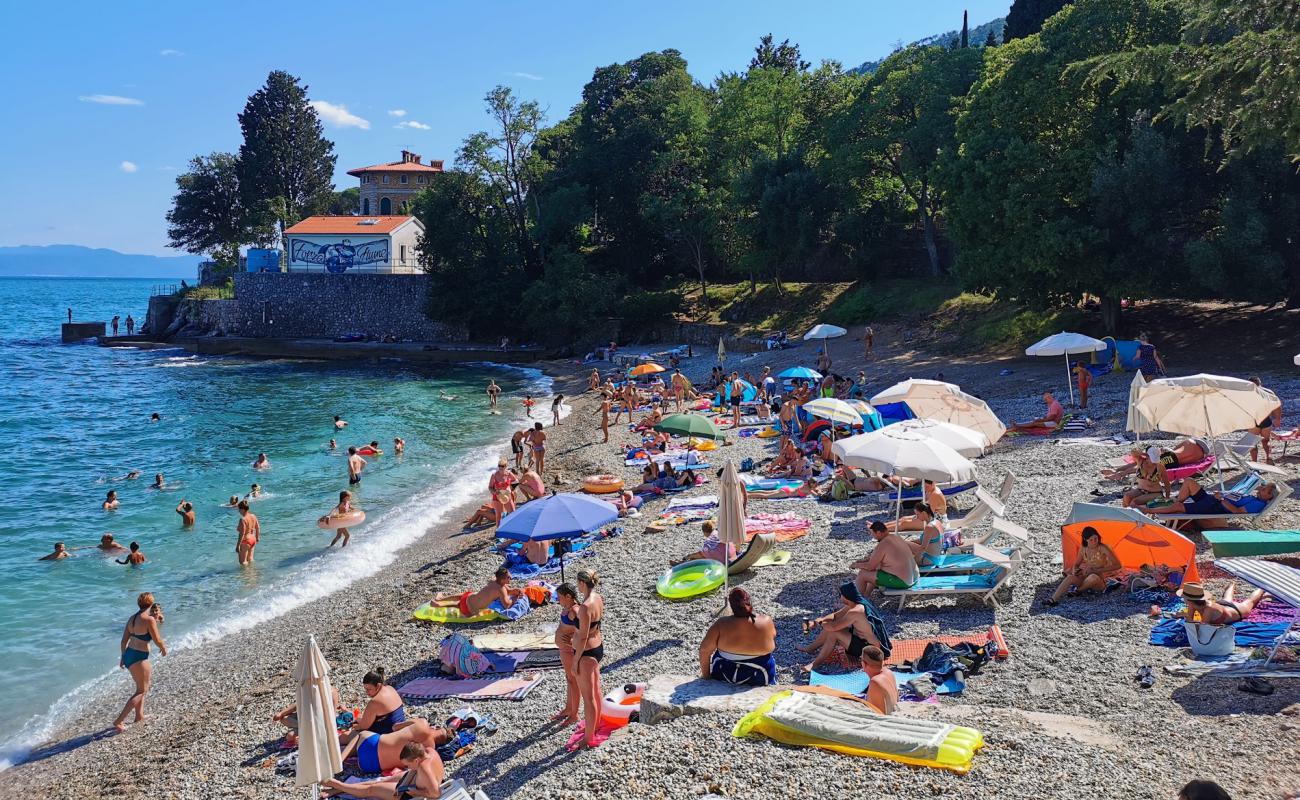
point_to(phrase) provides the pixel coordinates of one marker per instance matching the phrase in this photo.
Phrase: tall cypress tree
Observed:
(286, 165)
(965, 30)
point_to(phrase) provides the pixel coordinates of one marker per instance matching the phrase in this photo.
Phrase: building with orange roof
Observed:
(364, 244)
(390, 188)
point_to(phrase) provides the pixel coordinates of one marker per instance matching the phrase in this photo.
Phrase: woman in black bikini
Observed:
(1201, 606)
(568, 628)
(141, 629)
(589, 644)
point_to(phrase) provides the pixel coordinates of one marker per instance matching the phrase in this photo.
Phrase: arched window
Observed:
(385, 206)
(365, 206)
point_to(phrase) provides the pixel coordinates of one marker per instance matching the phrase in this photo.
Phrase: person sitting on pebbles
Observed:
(471, 603)
(847, 628)
(1092, 570)
(712, 549)
(737, 649)
(288, 716)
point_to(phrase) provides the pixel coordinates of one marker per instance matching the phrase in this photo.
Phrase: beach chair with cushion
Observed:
(1252, 542)
(758, 546)
(963, 559)
(1246, 485)
(983, 585)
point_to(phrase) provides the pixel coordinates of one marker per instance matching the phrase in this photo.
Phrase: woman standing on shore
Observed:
(564, 633)
(589, 644)
(140, 630)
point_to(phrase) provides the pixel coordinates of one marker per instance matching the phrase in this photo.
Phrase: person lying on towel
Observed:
(1193, 499)
(1049, 420)
(471, 603)
(1202, 607)
(738, 649)
(892, 565)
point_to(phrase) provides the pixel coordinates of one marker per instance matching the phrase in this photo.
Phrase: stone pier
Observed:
(81, 331)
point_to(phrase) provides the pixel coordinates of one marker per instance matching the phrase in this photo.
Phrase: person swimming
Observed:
(333, 445)
(110, 501)
(262, 462)
(155, 417)
(135, 558)
(399, 445)
(60, 553)
(254, 492)
(158, 482)
(339, 423)
(107, 544)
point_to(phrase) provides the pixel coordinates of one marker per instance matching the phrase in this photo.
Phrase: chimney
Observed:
(415, 157)
(406, 156)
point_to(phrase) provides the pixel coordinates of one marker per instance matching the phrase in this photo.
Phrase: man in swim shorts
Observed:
(377, 753)
(186, 509)
(355, 464)
(891, 564)
(470, 603)
(493, 392)
(737, 395)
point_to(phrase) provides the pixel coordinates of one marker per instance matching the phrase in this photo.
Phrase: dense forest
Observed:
(1113, 148)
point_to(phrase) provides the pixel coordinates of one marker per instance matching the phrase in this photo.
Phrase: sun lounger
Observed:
(983, 585)
(1283, 491)
(1252, 542)
(957, 562)
(914, 492)
(758, 546)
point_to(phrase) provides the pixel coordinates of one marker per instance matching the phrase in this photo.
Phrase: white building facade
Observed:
(373, 245)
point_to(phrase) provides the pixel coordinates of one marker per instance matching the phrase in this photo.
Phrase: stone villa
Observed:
(389, 188)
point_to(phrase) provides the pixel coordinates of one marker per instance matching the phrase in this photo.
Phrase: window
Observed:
(403, 179)
(385, 179)
(365, 205)
(385, 207)
(402, 250)
(420, 179)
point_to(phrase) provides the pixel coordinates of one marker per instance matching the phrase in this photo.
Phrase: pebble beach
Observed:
(1062, 717)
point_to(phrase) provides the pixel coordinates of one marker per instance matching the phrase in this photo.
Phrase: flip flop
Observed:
(1146, 677)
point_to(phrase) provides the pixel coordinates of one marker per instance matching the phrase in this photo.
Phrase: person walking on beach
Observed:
(493, 392)
(539, 447)
(186, 509)
(115, 319)
(737, 395)
(250, 532)
(589, 644)
(603, 411)
(355, 464)
(342, 509)
(517, 441)
(679, 389)
(141, 629)
(134, 558)
(130, 325)
(555, 409)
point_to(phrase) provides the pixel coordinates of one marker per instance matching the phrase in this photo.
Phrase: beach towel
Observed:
(856, 682)
(1170, 633)
(517, 609)
(451, 790)
(786, 527)
(509, 642)
(1237, 665)
(911, 649)
(489, 688)
(603, 731)
(753, 484)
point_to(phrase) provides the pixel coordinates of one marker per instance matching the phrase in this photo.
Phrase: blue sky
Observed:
(106, 101)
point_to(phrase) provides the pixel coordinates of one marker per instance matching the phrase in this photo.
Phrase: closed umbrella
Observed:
(722, 351)
(909, 453)
(687, 425)
(1065, 344)
(1137, 422)
(1297, 359)
(560, 516)
(318, 740)
(967, 442)
(945, 402)
(731, 516)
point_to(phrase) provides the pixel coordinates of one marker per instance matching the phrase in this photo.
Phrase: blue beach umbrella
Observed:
(799, 373)
(560, 516)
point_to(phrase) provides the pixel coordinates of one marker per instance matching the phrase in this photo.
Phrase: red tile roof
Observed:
(398, 166)
(356, 225)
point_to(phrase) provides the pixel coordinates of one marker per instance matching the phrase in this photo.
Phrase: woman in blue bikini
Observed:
(568, 628)
(140, 630)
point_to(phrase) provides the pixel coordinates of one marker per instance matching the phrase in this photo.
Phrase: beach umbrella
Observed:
(945, 402)
(909, 453)
(722, 351)
(833, 410)
(1297, 359)
(823, 331)
(731, 516)
(686, 425)
(1204, 405)
(1135, 538)
(1065, 344)
(1136, 422)
(968, 442)
(318, 740)
(799, 373)
(648, 368)
(560, 516)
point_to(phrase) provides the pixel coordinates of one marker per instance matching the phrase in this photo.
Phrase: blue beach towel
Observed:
(1170, 633)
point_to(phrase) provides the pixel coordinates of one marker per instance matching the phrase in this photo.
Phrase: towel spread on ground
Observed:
(786, 527)
(1249, 633)
(493, 688)
(1237, 665)
(912, 649)
(856, 682)
(509, 642)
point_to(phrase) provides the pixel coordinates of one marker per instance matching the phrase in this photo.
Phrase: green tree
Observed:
(344, 203)
(286, 165)
(208, 214)
(790, 217)
(1026, 17)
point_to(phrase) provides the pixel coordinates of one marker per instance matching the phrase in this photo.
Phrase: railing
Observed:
(395, 267)
(164, 289)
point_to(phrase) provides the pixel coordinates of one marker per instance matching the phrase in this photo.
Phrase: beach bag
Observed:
(839, 490)
(461, 658)
(1210, 640)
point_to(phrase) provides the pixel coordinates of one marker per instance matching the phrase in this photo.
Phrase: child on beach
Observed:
(528, 405)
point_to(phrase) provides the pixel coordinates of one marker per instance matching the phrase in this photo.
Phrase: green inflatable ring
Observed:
(691, 579)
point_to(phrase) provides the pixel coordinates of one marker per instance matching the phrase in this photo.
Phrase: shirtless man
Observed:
(737, 395)
(135, 558)
(60, 553)
(110, 502)
(538, 442)
(186, 510)
(603, 411)
(355, 465)
(413, 744)
(934, 498)
(107, 544)
(531, 485)
(593, 380)
(158, 482)
(882, 691)
(339, 423)
(1050, 419)
(493, 392)
(249, 531)
(891, 564)
(470, 603)
(789, 425)
(679, 389)
(262, 462)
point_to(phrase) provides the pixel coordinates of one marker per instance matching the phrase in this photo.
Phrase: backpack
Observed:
(839, 490)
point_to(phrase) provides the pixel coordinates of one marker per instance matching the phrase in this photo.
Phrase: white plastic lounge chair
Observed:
(983, 585)
(1283, 491)
(1238, 455)
(963, 558)
(758, 546)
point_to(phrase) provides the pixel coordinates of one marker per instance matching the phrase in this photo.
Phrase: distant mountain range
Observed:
(976, 38)
(75, 261)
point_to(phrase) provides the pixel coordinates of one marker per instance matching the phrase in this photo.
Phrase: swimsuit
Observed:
(407, 784)
(886, 580)
(384, 723)
(368, 755)
(132, 655)
(354, 479)
(464, 604)
(597, 652)
(855, 645)
(742, 670)
(515, 447)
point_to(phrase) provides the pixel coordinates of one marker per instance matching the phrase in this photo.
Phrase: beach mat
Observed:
(856, 682)
(451, 790)
(1237, 665)
(487, 688)
(905, 650)
(510, 642)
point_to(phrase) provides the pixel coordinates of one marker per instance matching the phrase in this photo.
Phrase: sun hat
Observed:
(1194, 592)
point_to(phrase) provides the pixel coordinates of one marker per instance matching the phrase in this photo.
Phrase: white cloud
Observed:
(410, 123)
(397, 112)
(129, 166)
(167, 51)
(110, 100)
(528, 76)
(339, 116)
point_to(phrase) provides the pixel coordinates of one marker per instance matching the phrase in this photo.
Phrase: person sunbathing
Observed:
(485, 515)
(712, 549)
(1092, 570)
(1193, 499)
(1202, 607)
(934, 499)
(847, 628)
(871, 483)
(1050, 419)
(625, 503)
(470, 603)
(1152, 481)
(891, 564)
(929, 545)
(1188, 451)
(649, 421)
(737, 649)
(413, 745)
(882, 691)
(807, 489)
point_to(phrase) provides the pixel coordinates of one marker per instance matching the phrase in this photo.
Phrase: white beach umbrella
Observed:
(1137, 422)
(731, 515)
(1297, 359)
(833, 410)
(1066, 344)
(823, 331)
(913, 389)
(318, 740)
(945, 402)
(966, 441)
(1204, 405)
(909, 453)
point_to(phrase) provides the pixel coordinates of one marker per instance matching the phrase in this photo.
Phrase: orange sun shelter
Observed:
(1135, 538)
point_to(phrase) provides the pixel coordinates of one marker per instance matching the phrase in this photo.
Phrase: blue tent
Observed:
(749, 395)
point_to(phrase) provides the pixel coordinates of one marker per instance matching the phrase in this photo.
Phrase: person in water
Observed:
(186, 509)
(470, 603)
(158, 482)
(355, 465)
(382, 752)
(342, 509)
(384, 710)
(254, 492)
(155, 417)
(738, 649)
(528, 403)
(262, 462)
(135, 558)
(110, 502)
(339, 423)
(249, 531)
(333, 445)
(107, 544)
(847, 627)
(555, 409)
(141, 629)
(493, 392)
(882, 691)
(399, 445)
(233, 502)
(60, 553)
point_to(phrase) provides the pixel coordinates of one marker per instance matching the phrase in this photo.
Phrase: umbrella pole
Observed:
(1068, 384)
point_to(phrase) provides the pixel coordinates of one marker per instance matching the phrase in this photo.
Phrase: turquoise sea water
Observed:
(77, 419)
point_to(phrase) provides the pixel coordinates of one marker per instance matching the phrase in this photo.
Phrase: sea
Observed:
(77, 419)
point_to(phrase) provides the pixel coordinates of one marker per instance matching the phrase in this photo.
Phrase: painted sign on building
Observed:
(339, 256)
